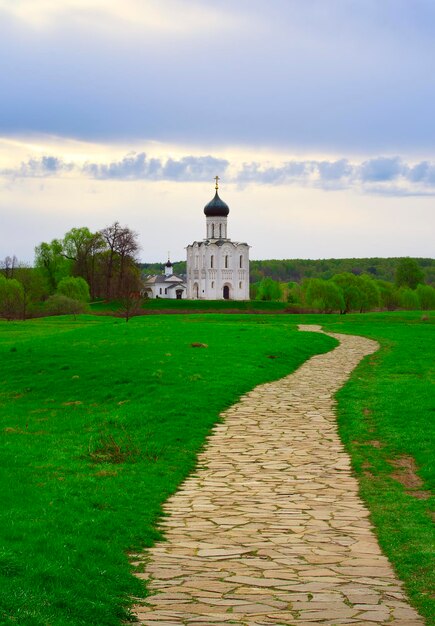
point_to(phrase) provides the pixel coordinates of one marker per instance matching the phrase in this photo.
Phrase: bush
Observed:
(75, 288)
(61, 305)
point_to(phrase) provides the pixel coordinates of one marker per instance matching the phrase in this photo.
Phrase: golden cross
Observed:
(217, 184)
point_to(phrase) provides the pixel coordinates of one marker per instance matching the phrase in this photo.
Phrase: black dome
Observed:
(216, 207)
(168, 264)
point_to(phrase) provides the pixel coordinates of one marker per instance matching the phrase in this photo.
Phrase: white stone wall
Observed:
(216, 228)
(211, 267)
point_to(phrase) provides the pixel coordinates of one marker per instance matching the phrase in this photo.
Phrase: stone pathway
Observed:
(270, 529)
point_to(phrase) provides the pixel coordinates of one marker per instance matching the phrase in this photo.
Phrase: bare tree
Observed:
(8, 265)
(121, 248)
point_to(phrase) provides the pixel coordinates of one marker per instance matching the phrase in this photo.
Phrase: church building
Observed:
(217, 268)
(166, 285)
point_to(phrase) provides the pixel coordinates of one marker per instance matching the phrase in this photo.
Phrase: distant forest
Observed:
(296, 270)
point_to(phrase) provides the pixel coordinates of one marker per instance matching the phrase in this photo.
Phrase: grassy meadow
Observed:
(101, 420)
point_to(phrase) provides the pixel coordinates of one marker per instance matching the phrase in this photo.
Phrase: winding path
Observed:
(270, 529)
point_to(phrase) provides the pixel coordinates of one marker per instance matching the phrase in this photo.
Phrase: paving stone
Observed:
(270, 530)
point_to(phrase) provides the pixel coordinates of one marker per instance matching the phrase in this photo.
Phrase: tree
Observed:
(119, 258)
(75, 288)
(269, 289)
(8, 266)
(82, 247)
(49, 258)
(426, 296)
(389, 297)
(34, 286)
(408, 273)
(294, 293)
(11, 298)
(408, 299)
(130, 297)
(323, 295)
(349, 286)
(369, 293)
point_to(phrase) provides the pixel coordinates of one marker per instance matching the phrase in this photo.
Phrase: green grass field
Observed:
(101, 420)
(220, 306)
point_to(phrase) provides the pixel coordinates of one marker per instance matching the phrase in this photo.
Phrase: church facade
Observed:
(217, 268)
(167, 285)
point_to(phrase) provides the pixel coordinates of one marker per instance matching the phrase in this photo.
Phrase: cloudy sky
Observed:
(318, 115)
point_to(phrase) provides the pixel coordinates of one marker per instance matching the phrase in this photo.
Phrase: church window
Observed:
(240, 285)
(166, 290)
(196, 262)
(212, 231)
(226, 261)
(220, 231)
(241, 261)
(211, 261)
(160, 290)
(212, 284)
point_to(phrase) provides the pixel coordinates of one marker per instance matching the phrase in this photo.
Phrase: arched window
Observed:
(240, 285)
(220, 231)
(212, 284)
(241, 261)
(226, 261)
(211, 261)
(212, 231)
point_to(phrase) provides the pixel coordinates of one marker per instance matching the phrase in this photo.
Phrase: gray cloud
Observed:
(137, 166)
(42, 167)
(380, 175)
(382, 169)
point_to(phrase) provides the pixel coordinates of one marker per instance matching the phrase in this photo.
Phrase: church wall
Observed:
(226, 270)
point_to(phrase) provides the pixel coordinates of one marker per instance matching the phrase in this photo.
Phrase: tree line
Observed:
(297, 270)
(85, 265)
(347, 292)
(69, 272)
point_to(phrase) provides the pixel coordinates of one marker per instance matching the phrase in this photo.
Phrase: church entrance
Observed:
(226, 292)
(195, 291)
(179, 294)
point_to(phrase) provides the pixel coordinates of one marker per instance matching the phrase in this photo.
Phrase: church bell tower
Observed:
(217, 268)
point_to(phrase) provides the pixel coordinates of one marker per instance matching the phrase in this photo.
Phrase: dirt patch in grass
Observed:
(406, 474)
(375, 443)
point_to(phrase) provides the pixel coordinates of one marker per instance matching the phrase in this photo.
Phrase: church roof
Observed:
(161, 278)
(216, 207)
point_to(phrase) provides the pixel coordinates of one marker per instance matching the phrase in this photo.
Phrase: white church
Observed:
(217, 268)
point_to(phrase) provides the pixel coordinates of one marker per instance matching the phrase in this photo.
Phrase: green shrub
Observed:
(62, 305)
(75, 288)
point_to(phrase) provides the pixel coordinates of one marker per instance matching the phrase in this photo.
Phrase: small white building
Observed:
(217, 268)
(167, 285)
